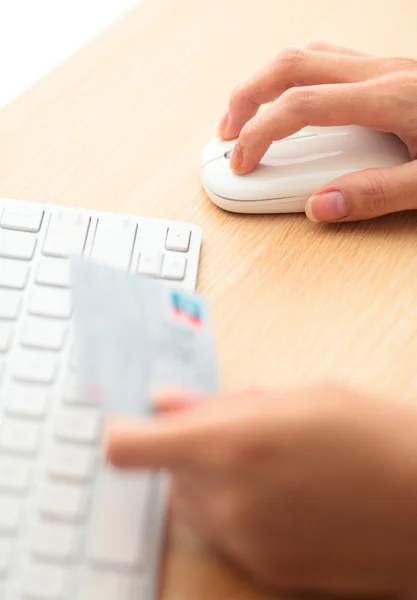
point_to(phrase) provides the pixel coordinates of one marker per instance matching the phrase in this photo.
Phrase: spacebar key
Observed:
(113, 242)
(117, 535)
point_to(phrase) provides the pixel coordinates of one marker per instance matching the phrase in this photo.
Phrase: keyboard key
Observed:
(19, 436)
(178, 238)
(13, 273)
(62, 501)
(27, 401)
(35, 367)
(71, 390)
(6, 336)
(150, 263)
(9, 305)
(15, 244)
(78, 425)
(22, 217)
(174, 267)
(67, 234)
(55, 541)
(42, 333)
(14, 474)
(53, 271)
(47, 302)
(117, 536)
(73, 360)
(45, 581)
(6, 546)
(71, 462)
(10, 510)
(113, 242)
(106, 586)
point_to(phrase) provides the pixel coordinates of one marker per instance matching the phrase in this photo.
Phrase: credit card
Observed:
(134, 333)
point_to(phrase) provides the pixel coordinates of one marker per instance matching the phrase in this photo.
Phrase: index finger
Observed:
(176, 440)
(321, 106)
(293, 67)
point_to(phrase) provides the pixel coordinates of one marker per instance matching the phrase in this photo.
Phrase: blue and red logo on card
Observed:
(187, 309)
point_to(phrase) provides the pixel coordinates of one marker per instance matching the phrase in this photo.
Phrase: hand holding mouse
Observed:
(331, 86)
(309, 490)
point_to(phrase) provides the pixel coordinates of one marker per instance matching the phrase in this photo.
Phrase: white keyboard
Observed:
(64, 533)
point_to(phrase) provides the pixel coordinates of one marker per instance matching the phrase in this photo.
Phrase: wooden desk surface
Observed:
(121, 126)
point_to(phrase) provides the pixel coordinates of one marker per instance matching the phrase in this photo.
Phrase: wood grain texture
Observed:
(121, 126)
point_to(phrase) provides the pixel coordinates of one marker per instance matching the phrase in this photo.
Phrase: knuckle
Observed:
(374, 196)
(298, 100)
(402, 81)
(376, 193)
(290, 59)
(241, 97)
(404, 63)
(317, 46)
(238, 96)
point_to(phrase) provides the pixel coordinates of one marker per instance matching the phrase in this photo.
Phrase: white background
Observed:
(36, 35)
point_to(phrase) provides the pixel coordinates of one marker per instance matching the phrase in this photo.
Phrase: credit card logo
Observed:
(187, 309)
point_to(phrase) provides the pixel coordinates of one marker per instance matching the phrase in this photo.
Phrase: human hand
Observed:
(314, 489)
(324, 86)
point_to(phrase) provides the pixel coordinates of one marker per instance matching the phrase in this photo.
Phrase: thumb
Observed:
(365, 194)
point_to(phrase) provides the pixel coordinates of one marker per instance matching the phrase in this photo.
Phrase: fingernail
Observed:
(236, 160)
(327, 207)
(221, 127)
(171, 397)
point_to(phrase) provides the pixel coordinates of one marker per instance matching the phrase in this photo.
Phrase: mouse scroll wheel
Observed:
(228, 154)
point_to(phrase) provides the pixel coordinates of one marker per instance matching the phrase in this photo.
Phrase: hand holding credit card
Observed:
(134, 334)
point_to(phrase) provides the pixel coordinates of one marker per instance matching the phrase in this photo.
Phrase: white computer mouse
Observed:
(293, 168)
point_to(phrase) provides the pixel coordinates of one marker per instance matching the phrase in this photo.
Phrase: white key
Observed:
(106, 586)
(73, 361)
(62, 501)
(6, 336)
(26, 401)
(19, 436)
(55, 541)
(10, 510)
(71, 390)
(13, 273)
(78, 425)
(15, 244)
(54, 271)
(23, 218)
(67, 234)
(45, 581)
(178, 238)
(14, 474)
(47, 302)
(35, 367)
(150, 263)
(42, 333)
(9, 304)
(71, 462)
(174, 266)
(113, 242)
(6, 546)
(118, 528)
